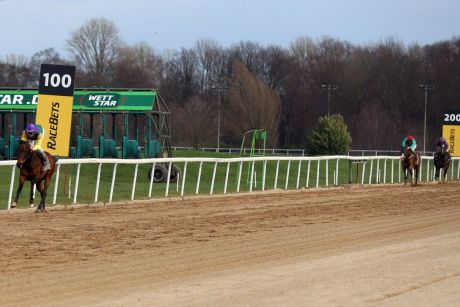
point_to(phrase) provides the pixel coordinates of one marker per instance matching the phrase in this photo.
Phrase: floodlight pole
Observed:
(330, 88)
(426, 88)
(219, 89)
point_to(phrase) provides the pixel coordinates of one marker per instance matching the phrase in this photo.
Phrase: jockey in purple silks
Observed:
(442, 142)
(35, 133)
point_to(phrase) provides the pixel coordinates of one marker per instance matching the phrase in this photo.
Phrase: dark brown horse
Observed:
(30, 164)
(442, 161)
(411, 164)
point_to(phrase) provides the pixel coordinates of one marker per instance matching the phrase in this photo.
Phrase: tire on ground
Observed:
(160, 173)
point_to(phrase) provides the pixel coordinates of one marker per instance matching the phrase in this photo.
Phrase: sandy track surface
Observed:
(382, 245)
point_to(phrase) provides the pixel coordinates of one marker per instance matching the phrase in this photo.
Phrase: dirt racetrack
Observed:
(381, 245)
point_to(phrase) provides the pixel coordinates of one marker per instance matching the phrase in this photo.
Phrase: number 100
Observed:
(55, 80)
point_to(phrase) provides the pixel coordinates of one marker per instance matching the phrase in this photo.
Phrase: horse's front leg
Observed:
(405, 176)
(43, 191)
(31, 198)
(41, 205)
(22, 179)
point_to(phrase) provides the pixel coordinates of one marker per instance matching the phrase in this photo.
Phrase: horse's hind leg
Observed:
(18, 192)
(31, 198)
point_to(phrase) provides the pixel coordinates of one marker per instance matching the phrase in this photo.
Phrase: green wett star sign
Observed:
(83, 100)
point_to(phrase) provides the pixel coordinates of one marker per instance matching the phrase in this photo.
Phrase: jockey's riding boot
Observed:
(46, 162)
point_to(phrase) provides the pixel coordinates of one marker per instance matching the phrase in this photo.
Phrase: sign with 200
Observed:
(452, 117)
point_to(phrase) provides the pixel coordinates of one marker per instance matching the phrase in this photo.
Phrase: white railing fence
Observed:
(293, 151)
(263, 173)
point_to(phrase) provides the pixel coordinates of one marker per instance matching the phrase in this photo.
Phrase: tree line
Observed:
(285, 90)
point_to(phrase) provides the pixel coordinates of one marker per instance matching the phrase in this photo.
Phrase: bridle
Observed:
(25, 154)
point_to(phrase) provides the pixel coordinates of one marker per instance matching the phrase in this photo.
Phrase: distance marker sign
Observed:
(54, 107)
(451, 131)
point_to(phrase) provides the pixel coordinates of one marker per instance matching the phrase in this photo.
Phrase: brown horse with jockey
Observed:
(36, 165)
(410, 160)
(442, 157)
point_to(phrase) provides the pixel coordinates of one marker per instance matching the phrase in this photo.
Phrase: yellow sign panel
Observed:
(54, 114)
(452, 135)
(54, 107)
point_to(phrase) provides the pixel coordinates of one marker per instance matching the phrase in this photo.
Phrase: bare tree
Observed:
(252, 104)
(46, 56)
(16, 72)
(95, 47)
(211, 62)
(194, 122)
(181, 75)
(138, 66)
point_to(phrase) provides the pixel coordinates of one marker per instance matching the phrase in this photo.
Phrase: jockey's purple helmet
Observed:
(442, 140)
(31, 128)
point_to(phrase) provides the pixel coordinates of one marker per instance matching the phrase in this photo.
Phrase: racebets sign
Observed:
(54, 108)
(451, 132)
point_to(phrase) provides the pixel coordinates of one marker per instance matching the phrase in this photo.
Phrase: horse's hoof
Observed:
(39, 210)
(13, 206)
(32, 205)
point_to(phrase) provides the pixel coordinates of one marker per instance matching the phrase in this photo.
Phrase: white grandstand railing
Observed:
(371, 160)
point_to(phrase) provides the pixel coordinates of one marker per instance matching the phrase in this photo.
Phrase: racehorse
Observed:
(30, 164)
(410, 163)
(442, 160)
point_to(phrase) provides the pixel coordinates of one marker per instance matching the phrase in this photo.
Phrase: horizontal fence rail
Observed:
(91, 180)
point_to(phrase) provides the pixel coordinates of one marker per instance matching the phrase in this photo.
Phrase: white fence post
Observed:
(427, 170)
(276, 173)
(385, 171)
(151, 179)
(76, 183)
(337, 172)
(56, 182)
(199, 178)
(213, 178)
(98, 177)
(10, 195)
(392, 170)
(370, 171)
(317, 174)
(251, 181)
(264, 175)
(183, 179)
(298, 174)
(287, 175)
(134, 182)
(226, 178)
(168, 179)
(240, 169)
(114, 174)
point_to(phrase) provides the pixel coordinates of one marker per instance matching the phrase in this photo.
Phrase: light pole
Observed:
(330, 88)
(220, 89)
(426, 88)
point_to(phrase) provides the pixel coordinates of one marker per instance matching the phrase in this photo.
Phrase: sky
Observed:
(29, 26)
